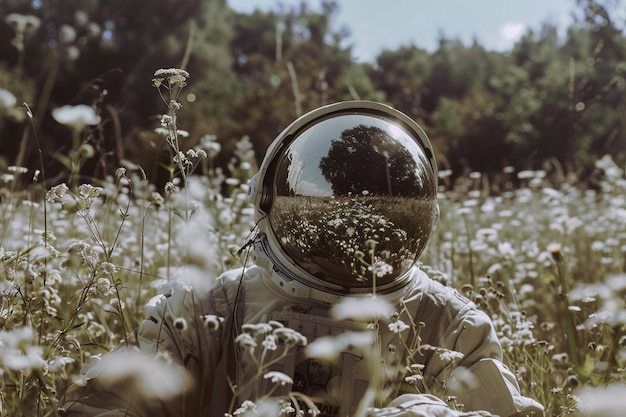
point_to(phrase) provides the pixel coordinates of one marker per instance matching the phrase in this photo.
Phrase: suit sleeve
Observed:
(421, 405)
(182, 335)
(478, 379)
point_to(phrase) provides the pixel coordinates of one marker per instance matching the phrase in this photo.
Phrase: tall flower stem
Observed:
(564, 306)
(30, 115)
(470, 252)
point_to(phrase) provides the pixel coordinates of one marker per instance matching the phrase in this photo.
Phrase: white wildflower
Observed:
(278, 377)
(18, 350)
(175, 105)
(449, 356)
(170, 187)
(325, 347)
(58, 364)
(413, 379)
(162, 131)
(76, 116)
(246, 341)
(167, 122)
(246, 406)
(604, 401)
(329, 347)
(102, 287)
(256, 329)
(212, 322)
(86, 150)
(398, 326)
(57, 193)
(361, 308)
(117, 304)
(269, 342)
(445, 173)
(22, 23)
(146, 375)
(7, 99)
(526, 174)
(462, 380)
(171, 75)
(157, 198)
(180, 324)
(67, 34)
(289, 336)
(226, 217)
(210, 144)
(88, 193)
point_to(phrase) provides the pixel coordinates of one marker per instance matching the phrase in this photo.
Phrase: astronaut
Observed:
(345, 202)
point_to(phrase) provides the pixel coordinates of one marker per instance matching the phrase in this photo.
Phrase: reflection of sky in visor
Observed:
(307, 178)
(304, 175)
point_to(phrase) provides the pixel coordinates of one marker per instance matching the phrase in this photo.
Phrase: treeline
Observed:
(550, 101)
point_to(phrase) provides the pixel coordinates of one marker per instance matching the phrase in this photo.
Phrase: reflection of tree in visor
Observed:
(391, 169)
(352, 199)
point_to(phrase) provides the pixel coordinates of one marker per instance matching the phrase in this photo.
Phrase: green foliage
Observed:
(402, 75)
(289, 62)
(550, 98)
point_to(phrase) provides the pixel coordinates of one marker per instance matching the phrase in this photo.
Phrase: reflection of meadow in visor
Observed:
(354, 200)
(341, 237)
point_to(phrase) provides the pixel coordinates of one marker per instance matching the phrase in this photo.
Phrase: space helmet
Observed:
(345, 200)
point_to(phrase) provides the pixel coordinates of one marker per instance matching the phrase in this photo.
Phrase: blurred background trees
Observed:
(547, 102)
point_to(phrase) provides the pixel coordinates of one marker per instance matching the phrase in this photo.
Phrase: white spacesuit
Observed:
(345, 201)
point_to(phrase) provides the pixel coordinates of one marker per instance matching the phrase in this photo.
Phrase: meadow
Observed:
(542, 254)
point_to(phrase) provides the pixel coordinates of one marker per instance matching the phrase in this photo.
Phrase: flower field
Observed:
(543, 256)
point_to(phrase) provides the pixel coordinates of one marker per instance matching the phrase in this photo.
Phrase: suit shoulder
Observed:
(440, 295)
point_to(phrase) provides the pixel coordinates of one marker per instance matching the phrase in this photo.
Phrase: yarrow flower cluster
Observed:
(416, 374)
(102, 287)
(24, 26)
(398, 326)
(246, 407)
(117, 304)
(445, 355)
(270, 335)
(57, 193)
(171, 76)
(190, 158)
(278, 377)
(167, 123)
(88, 193)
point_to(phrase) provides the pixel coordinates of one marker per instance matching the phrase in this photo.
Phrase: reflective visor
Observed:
(354, 200)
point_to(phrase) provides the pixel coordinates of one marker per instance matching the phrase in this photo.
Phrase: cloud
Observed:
(510, 32)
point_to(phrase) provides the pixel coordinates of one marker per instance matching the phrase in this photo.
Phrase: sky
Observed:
(376, 25)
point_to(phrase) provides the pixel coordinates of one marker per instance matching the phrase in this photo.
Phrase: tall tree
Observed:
(289, 61)
(402, 74)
